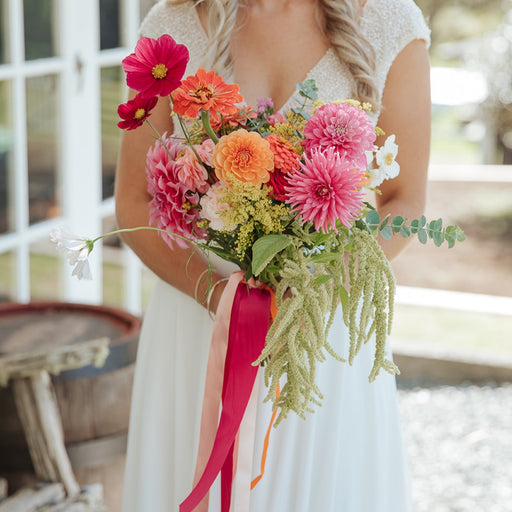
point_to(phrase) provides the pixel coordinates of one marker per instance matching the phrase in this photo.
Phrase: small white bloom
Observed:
(375, 177)
(386, 158)
(212, 207)
(75, 249)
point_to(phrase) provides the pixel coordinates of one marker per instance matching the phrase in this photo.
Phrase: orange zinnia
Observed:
(206, 91)
(244, 155)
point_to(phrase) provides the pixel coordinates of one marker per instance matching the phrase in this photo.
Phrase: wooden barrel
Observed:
(94, 403)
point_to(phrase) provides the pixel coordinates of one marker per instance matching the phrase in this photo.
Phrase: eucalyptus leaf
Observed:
(397, 223)
(438, 238)
(372, 219)
(422, 221)
(265, 248)
(422, 236)
(386, 233)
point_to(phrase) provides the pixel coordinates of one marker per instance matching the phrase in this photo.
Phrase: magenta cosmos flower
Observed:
(346, 128)
(157, 66)
(134, 112)
(326, 189)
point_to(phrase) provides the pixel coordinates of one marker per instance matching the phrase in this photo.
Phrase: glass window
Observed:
(112, 94)
(7, 276)
(109, 24)
(6, 161)
(39, 21)
(4, 33)
(42, 140)
(46, 274)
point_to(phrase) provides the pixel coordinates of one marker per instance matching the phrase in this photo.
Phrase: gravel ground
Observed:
(460, 446)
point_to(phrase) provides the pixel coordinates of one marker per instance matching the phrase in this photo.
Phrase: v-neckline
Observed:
(308, 75)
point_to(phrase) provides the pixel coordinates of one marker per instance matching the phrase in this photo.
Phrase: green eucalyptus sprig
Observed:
(422, 228)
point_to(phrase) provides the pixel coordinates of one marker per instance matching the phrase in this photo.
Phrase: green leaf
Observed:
(343, 297)
(372, 220)
(422, 221)
(386, 233)
(324, 257)
(308, 89)
(265, 248)
(422, 236)
(438, 224)
(438, 237)
(323, 279)
(397, 223)
(415, 226)
(405, 232)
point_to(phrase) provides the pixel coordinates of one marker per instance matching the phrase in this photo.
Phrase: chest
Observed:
(273, 51)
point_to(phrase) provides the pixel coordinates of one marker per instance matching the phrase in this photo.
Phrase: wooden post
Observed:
(37, 407)
(3, 489)
(30, 500)
(39, 415)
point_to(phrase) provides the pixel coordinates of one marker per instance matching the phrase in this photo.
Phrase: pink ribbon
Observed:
(247, 331)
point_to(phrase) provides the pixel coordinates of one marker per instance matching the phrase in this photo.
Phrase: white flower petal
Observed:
(82, 270)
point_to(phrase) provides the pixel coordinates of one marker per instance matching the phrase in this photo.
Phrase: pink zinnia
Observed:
(157, 66)
(346, 128)
(134, 112)
(326, 189)
(173, 205)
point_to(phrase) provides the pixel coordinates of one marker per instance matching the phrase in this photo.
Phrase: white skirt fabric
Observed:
(348, 456)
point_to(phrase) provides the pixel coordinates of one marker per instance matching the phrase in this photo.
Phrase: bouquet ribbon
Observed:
(245, 329)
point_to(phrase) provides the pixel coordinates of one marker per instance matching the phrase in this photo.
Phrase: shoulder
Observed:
(167, 17)
(390, 25)
(180, 21)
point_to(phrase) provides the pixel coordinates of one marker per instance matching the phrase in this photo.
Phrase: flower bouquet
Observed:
(281, 195)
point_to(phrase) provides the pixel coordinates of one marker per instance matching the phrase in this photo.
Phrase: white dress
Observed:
(346, 457)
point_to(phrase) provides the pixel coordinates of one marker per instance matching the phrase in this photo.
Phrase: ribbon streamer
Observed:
(247, 331)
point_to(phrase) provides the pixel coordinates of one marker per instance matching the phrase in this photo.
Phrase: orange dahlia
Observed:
(245, 156)
(206, 91)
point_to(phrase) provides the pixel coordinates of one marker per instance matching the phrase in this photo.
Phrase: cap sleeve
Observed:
(390, 25)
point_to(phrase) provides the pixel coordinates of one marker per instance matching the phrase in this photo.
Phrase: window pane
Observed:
(39, 21)
(42, 146)
(109, 24)
(45, 272)
(7, 276)
(4, 33)
(112, 92)
(6, 161)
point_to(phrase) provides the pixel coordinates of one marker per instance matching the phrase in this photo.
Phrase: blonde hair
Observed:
(339, 20)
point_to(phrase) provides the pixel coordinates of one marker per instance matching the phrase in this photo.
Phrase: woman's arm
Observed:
(181, 268)
(406, 113)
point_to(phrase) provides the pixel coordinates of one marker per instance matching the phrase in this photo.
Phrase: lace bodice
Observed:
(389, 25)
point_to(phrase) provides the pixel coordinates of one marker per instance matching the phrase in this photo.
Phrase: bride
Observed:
(348, 456)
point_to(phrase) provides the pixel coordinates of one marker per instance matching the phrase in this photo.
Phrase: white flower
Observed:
(212, 207)
(386, 158)
(375, 177)
(75, 249)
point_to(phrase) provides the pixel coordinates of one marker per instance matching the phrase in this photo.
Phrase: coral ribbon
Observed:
(247, 330)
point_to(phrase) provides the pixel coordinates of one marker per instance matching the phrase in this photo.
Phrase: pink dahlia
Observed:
(157, 66)
(173, 205)
(326, 189)
(346, 128)
(134, 112)
(192, 172)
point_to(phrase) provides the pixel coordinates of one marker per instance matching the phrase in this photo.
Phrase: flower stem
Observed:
(205, 119)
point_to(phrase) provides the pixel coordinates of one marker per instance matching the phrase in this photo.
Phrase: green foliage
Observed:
(419, 227)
